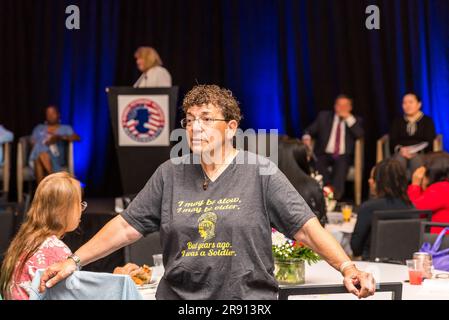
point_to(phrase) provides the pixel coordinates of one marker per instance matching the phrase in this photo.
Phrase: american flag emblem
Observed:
(143, 120)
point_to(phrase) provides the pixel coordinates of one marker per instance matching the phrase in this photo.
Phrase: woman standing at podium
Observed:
(149, 63)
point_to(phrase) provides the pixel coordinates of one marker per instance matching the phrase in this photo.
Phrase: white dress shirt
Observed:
(350, 121)
(154, 77)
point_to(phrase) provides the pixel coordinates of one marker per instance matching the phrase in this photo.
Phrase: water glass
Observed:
(415, 271)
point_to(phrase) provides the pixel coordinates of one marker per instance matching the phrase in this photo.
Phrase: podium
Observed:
(142, 119)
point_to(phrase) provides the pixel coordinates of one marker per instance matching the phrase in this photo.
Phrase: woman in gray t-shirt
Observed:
(215, 209)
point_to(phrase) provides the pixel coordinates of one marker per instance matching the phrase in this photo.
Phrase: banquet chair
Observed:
(18, 211)
(142, 251)
(285, 291)
(395, 234)
(383, 147)
(5, 171)
(355, 172)
(25, 173)
(86, 285)
(426, 236)
(7, 220)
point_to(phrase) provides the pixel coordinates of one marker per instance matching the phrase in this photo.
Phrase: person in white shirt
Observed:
(153, 74)
(335, 134)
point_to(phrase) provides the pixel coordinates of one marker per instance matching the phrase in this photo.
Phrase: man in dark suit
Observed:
(335, 133)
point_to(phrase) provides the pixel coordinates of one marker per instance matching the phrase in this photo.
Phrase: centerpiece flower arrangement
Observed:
(329, 198)
(289, 259)
(328, 192)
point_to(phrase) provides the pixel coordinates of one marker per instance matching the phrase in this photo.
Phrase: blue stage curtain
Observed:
(88, 66)
(285, 60)
(289, 59)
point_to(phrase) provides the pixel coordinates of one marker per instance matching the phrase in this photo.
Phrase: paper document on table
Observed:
(417, 147)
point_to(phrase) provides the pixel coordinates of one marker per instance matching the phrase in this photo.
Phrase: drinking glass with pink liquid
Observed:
(415, 271)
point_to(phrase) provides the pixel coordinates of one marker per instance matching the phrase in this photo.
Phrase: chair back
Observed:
(5, 174)
(285, 291)
(22, 209)
(383, 147)
(142, 251)
(426, 236)
(23, 172)
(359, 160)
(7, 219)
(85, 285)
(438, 143)
(395, 234)
(24, 147)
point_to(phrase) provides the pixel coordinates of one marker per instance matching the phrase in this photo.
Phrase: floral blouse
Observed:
(52, 250)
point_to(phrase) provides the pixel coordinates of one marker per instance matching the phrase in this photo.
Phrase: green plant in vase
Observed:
(289, 258)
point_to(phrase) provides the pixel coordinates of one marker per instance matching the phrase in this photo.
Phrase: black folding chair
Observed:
(395, 234)
(142, 251)
(7, 220)
(426, 236)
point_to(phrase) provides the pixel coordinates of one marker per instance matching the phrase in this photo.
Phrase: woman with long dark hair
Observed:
(389, 188)
(293, 162)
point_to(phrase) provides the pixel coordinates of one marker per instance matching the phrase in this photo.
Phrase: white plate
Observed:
(150, 285)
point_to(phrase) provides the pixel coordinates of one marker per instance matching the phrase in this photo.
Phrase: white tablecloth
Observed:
(148, 294)
(321, 273)
(342, 232)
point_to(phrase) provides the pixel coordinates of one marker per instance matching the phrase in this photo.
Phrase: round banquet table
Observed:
(323, 274)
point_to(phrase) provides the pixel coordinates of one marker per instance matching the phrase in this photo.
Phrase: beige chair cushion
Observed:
(351, 174)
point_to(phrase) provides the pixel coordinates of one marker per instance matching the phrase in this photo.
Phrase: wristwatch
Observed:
(77, 260)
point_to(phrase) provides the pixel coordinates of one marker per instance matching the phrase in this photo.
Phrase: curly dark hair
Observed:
(220, 97)
(391, 180)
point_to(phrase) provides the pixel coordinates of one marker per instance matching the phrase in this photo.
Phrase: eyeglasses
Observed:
(83, 205)
(206, 121)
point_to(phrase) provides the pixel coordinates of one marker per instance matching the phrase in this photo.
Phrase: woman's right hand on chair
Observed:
(56, 273)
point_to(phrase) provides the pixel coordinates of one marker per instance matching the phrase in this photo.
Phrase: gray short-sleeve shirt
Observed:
(217, 242)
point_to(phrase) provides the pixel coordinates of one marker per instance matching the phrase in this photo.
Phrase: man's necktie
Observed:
(336, 153)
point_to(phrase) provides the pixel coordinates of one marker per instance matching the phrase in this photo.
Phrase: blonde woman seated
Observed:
(56, 210)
